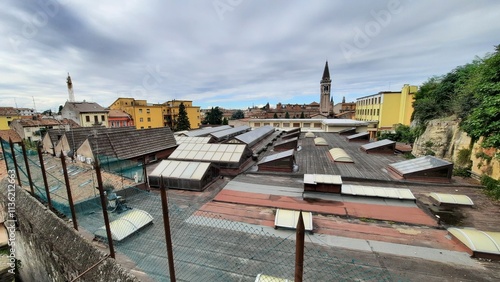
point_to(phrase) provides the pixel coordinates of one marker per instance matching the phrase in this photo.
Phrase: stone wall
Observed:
(51, 250)
(444, 138)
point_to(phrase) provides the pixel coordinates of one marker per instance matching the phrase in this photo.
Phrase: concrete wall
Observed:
(51, 250)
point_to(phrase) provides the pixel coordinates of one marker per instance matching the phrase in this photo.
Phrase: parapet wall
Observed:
(51, 250)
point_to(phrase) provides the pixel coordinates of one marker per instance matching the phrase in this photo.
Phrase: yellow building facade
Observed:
(157, 115)
(144, 115)
(7, 115)
(171, 113)
(387, 108)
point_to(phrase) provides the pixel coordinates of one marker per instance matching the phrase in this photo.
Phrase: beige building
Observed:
(86, 114)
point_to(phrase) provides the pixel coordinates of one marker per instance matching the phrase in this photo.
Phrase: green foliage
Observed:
(463, 157)
(429, 152)
(302, 115)
(287, 115)
(471, 92)
(484, 156)
(60, 109)
(183, 119)
(238, 115)
(403, 133)
(428, 144)
(491, 186)
(214, 116)
(408, 156)
(225, 121)
(275, 115)
(462, 171)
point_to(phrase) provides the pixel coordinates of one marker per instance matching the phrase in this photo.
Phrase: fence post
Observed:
(28, 172)
(299, 249)
(4, 155)
(44, 175)
(68, 190)
(166, 225)
(104, 208)
(15, 162)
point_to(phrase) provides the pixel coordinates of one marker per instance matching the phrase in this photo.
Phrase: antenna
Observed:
(70, 88)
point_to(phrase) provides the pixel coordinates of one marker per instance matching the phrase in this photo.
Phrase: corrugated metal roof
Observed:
(452, 199)
(377, 144)
(209, 152)
(126, 225)
(289, 219)
(230, 131)
(205, 131)
(320, 141)
(419, 164)
(372, 191)
(478, 241)
(322, 178)
(339, 155)
(357, 135)
(254, 136)
(277, 156)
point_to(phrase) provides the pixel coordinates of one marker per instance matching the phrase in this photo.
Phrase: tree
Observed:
(47, 112)
(183, 119)
(238, 115)
(225, 121)
(60, 109)
(214, 116)
(287, 115)
(302, 114)
(275, 115)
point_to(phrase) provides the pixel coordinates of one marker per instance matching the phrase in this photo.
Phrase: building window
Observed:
(142, 127)
(378, 112)
(286, 124)
(379, 99)
(102, 118)
(87, 118)
(266, 123)
(141, 120)
(317, 125)
(149, 119)
(257, 124)
(140, 111)
(147, 111)
(306, 124)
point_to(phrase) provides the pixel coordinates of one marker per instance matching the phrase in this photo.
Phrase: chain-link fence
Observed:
(207, 246)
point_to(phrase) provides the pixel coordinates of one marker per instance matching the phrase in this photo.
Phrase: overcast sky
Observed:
(232, 53)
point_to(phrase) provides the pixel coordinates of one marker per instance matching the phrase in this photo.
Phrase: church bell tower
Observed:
(325, 87)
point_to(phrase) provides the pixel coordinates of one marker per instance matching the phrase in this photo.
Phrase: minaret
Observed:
(325, 85)
(70, 89)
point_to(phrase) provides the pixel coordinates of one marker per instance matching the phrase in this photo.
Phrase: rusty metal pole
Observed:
(104, 209)
(28, 172)
(15, 162)
(68, 190)
(299, 249)
(4, 155)
(44, 175)
(166, 225)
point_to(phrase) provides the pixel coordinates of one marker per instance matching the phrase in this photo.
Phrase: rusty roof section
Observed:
(117, 114)
(46, 122)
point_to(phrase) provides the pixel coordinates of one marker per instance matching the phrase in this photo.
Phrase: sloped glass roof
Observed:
(419, 164)
(294, 139)
(277, 156)
(186, 139)
(126, 225)
(357, 135)
(320, 141)
(347, 129)
(322, 178)
(452, 199)
(373, 191)
(179, 169)
(209, 152)
(310, 135)
(377, 144)
(205, 131)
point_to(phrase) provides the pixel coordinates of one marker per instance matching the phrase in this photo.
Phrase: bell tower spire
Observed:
(325, 88)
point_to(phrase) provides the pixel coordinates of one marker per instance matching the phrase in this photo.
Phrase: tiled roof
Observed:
(76, 136)
(133, 143)
(86, 107)
(10, 133)
(117, 114)
(8, 111)
(46, 122)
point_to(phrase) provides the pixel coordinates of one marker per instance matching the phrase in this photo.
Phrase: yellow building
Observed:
(387, 108)
(171, 113)
(144, 115)
(7, 115)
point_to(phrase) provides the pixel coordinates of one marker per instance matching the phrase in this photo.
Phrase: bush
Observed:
(491, 186)
(463, 157)
(461, 171)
